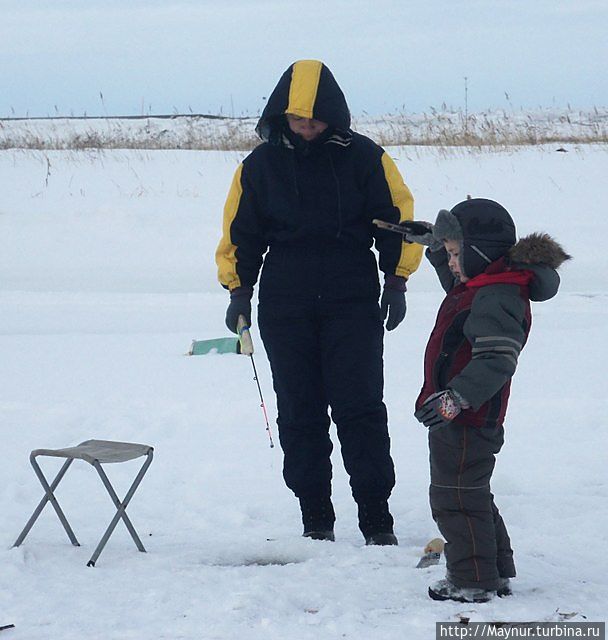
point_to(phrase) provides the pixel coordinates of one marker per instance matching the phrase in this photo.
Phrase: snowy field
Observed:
(107, 273)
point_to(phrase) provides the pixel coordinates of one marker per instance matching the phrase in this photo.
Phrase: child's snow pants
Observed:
(478, 549)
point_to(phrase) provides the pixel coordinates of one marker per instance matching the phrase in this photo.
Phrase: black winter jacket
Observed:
(311, 205)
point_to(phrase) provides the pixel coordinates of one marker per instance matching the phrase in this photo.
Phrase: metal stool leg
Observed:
(49, 496)
(120, 508)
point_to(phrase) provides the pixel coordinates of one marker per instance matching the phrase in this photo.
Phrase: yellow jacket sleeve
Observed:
(393, 202)
(240, 250)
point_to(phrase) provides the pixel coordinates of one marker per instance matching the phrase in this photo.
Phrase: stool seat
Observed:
(100, 450)
(96, 453)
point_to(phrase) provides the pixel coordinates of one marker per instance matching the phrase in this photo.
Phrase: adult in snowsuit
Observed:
(302, 204)
(472, 353)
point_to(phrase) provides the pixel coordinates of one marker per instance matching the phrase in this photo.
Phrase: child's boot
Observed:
(504, 587)
(446, 590)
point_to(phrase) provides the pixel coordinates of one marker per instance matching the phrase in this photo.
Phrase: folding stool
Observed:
(95, 452)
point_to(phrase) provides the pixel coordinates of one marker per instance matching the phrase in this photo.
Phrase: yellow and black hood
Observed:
(307, 89)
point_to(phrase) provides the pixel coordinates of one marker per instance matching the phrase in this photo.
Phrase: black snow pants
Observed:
(329, 354)
(478, 549)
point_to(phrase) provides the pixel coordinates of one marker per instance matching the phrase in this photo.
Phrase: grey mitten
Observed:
(240, 305)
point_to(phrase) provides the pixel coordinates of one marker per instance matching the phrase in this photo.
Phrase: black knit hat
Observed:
(484, 227)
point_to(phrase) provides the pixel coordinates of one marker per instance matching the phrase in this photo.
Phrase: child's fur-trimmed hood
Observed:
(538, 248)
(542, 255)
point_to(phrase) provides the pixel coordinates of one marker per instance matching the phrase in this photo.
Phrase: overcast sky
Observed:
(226, 55)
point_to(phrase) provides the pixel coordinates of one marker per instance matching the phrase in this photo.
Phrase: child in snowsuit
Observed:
(481, 327)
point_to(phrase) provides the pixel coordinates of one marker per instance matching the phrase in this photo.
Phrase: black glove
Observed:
(393, 302)
(421, 232)
(439, 410)
(240, 305)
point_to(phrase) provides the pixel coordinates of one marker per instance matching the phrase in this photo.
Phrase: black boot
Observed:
(318, 518)
(376, 523)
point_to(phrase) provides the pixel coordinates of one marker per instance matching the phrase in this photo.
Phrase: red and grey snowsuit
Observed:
(481, 328)
(305, 211)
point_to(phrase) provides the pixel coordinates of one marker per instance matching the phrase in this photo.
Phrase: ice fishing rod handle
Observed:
(244, 336)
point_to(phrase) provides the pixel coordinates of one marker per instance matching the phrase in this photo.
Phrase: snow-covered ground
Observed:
(107, 273)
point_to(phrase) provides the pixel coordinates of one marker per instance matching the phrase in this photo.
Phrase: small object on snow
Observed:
(7, 626)
(464, 618)
(568, 616)
(428, 560)
(243, 344)
(216, 345)
(432, 553)
(562, 150)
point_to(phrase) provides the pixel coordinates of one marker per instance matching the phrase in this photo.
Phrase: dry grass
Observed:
(491, 129)
(183, 132)
(443, 129)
